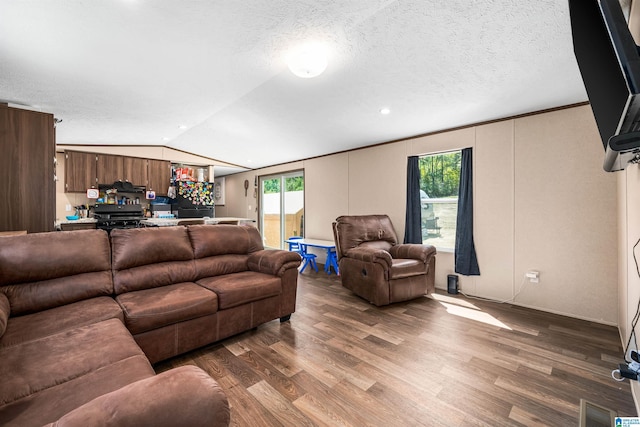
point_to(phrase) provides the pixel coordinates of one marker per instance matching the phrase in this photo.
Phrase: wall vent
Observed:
(592, 415)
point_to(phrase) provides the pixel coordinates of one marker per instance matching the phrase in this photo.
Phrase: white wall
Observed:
(541, 201)
(629, 234)
(565, 213)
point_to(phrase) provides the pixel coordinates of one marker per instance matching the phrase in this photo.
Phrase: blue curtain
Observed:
(466, 261)
(413, 220)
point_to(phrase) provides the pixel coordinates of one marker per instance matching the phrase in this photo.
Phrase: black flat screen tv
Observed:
(609, 63)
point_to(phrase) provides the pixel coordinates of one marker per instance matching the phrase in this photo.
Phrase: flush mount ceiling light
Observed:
(307, 61)
(385, 111)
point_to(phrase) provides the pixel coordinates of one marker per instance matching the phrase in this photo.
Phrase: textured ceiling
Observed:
(133, 71)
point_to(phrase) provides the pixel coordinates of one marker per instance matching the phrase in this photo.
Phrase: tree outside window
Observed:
(439, 183)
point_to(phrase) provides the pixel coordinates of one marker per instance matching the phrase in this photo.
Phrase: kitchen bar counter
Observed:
(75, 224)
(66, 224)
(59, 223)
(168, 222)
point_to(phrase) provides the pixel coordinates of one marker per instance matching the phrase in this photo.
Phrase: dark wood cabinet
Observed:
(159, 176)
(86, 170)
(27, 169)
(135, 171)
(79, 171)
(109, 168)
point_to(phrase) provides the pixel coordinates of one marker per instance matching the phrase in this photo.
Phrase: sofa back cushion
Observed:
(223, 249)
(144, 258)
(45, 270)
(373, 231)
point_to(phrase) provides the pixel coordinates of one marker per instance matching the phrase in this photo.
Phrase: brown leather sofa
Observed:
(84, 315)
(374, 266)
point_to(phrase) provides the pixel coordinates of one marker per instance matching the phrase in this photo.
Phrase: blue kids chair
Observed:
(307, 258)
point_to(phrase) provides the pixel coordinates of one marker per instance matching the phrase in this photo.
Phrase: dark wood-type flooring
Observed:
(441, 361)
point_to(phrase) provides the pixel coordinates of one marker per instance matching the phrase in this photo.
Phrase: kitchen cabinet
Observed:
(27, 170)
(79, 171)
(84, 170)
(135, 171)
(159, 176)
(109, 168)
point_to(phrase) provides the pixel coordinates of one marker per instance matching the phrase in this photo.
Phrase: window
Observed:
(439, 182)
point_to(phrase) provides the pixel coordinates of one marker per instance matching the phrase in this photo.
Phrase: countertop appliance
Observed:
(160, 210)
(195, 211)
(109, 217)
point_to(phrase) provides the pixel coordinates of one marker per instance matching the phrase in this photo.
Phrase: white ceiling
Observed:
(133, 71)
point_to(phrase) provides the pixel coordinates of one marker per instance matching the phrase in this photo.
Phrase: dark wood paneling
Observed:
(79, 171)
(110, 168)
(135, 170)
(27, 144)
(159, 176)
(446, 360)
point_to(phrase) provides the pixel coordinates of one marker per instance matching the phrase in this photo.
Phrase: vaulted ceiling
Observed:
(209, 76)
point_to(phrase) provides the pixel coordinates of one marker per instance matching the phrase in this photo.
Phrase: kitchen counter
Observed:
(75, 224)
(168, 222)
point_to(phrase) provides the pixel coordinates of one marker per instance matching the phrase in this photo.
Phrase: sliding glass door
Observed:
(281, 208)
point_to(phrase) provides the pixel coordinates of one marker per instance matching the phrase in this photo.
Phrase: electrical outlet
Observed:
(533, 276)
(67, 208)
(249, 208)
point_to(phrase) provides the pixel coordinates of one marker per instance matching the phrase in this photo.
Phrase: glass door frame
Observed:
(282, 176)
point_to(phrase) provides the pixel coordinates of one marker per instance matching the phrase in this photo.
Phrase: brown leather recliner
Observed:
(374, 266)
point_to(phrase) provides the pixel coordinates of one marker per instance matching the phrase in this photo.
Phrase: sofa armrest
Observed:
(379, 256)
(5, 311)
(184, 396)
(272, 261)
(413, 251)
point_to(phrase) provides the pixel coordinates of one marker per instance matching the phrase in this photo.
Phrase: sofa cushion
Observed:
(48, 322)
(406, 267)
(5, 311)
(145, 258)
(50, 404)
(212, 240)
(156, 401)
(44, 270)
(32, 370)
(221, 264)
(153, 308)
(241, 288)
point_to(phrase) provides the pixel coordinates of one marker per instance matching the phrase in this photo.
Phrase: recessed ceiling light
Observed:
(182, 127)
(308, 60)
(385, 111)
(165, 138)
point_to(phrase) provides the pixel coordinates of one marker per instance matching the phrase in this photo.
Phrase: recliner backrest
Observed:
(351, 231)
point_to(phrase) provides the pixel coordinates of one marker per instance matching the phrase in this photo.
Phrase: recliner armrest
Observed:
(370, 255)
(184, 396)
(413, 251)
(274, 262)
